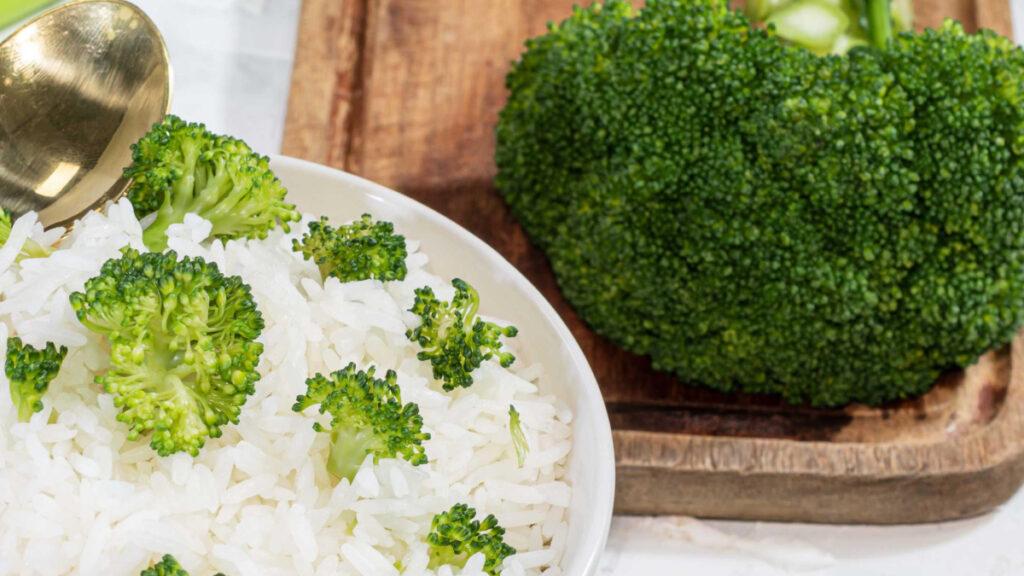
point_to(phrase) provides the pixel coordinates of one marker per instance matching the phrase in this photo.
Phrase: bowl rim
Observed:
(592, 399)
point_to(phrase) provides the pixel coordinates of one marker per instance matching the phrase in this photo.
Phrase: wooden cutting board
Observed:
(406, 93)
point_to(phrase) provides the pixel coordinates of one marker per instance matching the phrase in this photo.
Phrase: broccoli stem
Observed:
(155, 236)
(813, 24)
(33, 249)
(446, 556)
(225, 217)
(25, 409)
(186, 199)
(349, 447)
(879, 23)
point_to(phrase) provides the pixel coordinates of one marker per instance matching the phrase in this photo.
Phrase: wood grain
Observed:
(994, 15)
(971, 462)
(326, 80)
(406, 93)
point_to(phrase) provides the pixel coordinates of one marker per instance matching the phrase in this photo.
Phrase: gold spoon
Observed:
(78, 85)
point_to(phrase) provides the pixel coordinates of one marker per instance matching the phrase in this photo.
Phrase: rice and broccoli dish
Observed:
(202, 380)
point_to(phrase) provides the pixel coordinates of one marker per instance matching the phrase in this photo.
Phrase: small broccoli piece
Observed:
(30, 249)
(518, 437)
(29, 372)
(181, 167)
(453, 339)
(455, 536)
(183, 350)
(358, 251)
(367, 417)
(167, 566)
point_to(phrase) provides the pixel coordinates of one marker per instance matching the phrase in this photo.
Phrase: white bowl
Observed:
(504, 293)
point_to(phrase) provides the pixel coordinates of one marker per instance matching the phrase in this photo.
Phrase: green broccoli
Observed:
(367, 417)
(519, 441)
(181, 167)
(183, 350)
(30, 249)
(754, 217)
(453, 339)
(455, 535)
(167, 566)
(29, 373)
(357, 251)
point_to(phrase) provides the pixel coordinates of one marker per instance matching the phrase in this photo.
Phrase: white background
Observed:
(232, 63)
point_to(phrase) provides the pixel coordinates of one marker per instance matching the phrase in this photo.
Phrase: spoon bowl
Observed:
(78, 85)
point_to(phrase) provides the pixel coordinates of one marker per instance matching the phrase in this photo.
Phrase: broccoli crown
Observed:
(754, 217)
(29, 373)
(31, 248)
(167, 566)
(453, 339)
(358, 251)
(367, 417)
(183, 350)
(455, 535)
(519, 441)
(181, 167)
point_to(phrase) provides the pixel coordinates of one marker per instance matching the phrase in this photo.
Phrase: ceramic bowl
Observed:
(506, 294)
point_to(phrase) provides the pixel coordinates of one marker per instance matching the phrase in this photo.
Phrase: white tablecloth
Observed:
(232, 62)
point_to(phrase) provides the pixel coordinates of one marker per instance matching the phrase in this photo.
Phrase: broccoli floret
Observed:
(30, 249)
(358, 251)
(183, 350)
(181, 167)
(453, 339)
(754, 217)
(519, 441)
(456, 535)
(367, 417)
(167, 566)
(29, 372)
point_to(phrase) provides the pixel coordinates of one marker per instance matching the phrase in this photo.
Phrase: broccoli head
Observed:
(367, 417)
(358, 251)
(29, 373)
(754, 217)
(455, 535)
(183, 349)
(180, 167)
(30, 249)
(453, 339)
(167, 566)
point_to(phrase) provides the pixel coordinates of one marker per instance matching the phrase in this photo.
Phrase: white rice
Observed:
(76, 497)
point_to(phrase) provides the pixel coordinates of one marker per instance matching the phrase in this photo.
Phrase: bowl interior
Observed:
(505, 294)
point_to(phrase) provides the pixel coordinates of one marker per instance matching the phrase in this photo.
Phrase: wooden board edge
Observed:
(790, 480)
(1001, 440)
(807, 498)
